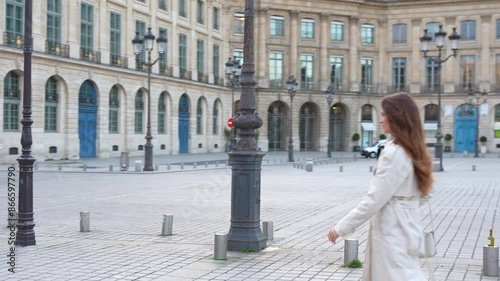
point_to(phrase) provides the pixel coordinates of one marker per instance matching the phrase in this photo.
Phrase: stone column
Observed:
(354, 61)
(324, 60)
(101, 29)
(39, 12)
(417, 68)
(486, 59)
(384, 65)
(73, 10)
(293, 69)
(449, 69)
(261, 54)
(192, 44)
(129, 33)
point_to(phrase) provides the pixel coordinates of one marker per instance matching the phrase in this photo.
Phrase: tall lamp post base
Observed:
(148, 157)
(245, 231)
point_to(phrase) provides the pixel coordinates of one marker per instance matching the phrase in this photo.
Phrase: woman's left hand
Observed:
(333, 235)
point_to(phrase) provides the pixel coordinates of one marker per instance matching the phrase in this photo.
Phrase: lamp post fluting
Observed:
(291, 85)
(481, 98)
(233, 71)
(329, 99)
(439, 60)
(138, 43)
(25, 235)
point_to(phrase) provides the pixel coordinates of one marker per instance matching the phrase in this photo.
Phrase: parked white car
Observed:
(372, 150)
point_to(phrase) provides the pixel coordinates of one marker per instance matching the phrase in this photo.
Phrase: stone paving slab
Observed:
(126, 216)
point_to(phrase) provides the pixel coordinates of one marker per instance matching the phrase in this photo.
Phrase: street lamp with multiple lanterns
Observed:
(148, 42)
(481, 98)
(329, 99)
(438, 60)
(291, 86)
(233, 71)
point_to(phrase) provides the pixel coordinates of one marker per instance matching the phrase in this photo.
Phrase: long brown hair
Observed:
(406, 129)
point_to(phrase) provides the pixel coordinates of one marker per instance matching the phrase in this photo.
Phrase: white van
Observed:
(371, 151)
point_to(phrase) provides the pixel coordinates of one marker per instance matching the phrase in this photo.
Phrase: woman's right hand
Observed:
(333, 235)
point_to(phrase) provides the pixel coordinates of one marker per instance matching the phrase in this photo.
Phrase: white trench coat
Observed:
(395, 239)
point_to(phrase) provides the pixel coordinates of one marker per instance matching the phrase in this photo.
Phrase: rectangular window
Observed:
(113, 120)
(307, 28)
(54, 21)
(276, 69)
(497, 73)
(182, 8)
(498, 29)
(238, 55)
(307, 71)
(200, 15)
(239, 23)
(277, 26)
(200, 56)
(468, 30)
(216, 62)
(467, 73)
(163, 57)
(432, 28)
(138, 121)
(216, 19)
(115, 34)
(140, 27)
(336, 66)
(87, 27)
(183, 52)
(398, 74)
(431, 75)
(11, 116)
(367, 75)
(50, 118)
(162, 5)
(399, 33)
(337, 31)
(15, 19)
(367, 33)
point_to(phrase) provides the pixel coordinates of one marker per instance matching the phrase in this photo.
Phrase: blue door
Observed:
(87, 120)
(184, 124)
(465, 128)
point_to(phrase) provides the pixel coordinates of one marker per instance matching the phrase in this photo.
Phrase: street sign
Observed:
(230, 122)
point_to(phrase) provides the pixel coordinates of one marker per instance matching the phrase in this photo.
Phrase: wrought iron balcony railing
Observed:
(13, 39)
(56, 48)
(90, 55)
(116, 60)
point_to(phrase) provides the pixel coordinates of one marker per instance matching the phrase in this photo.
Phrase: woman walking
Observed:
(403, 175)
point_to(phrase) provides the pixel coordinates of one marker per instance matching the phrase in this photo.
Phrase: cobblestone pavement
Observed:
(126, 210)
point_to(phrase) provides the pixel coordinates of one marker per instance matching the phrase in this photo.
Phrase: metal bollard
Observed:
(36, 166)
(350, 250)
(267, 230)
(473, 167)
(84, 167)
(371, 169)
(182, 166)
(220, 246)
(341, 168)
(157, 167)
(309, 165)
(138, 165)
(111, 168)
(85, 221)
(216, 163)
(12, 218)
(124, 161)
(206, 164)
(168, 221)
(490, 261)
(194, 165)
(168, 166)
(59, 167)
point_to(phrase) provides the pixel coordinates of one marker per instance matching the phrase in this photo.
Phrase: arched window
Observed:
(139, 112)
(215, 117)
(199, 117)
(114, 109)
(162, 109)
(51, 100)
(12, 100)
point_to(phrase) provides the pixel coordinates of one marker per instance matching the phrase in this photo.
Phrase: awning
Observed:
(497, 126)
(368, 126)
(430, 126)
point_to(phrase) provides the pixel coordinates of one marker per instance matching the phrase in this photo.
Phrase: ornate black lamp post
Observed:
(25, 235)
(233, 71)
(291, 85)
(477, 103)
(162, 45)
(329, 99)
(246, 158)
(425, 41)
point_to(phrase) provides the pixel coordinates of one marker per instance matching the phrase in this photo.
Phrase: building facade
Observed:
(90, 91)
